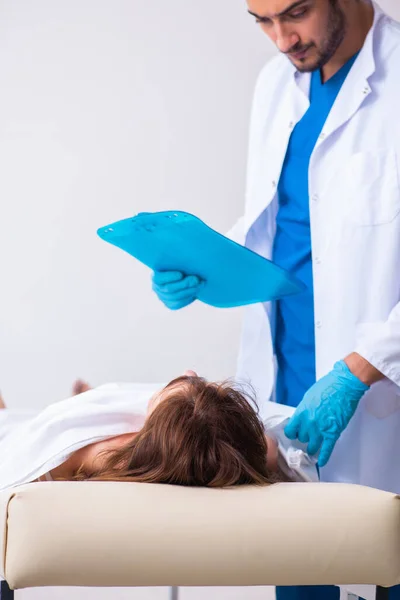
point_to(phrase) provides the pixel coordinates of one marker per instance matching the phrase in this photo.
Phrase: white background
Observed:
(108, 108)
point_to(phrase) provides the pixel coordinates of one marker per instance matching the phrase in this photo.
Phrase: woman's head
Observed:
(196, 434)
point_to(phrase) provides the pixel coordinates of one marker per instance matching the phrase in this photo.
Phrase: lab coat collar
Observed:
(356, 88)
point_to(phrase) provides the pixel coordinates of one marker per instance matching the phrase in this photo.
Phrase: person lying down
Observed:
(191, 432)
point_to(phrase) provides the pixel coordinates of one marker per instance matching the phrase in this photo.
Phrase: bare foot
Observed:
(79, 387)
(2, 403)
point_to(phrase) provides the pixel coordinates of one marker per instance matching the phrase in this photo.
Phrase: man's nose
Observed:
(285, 38)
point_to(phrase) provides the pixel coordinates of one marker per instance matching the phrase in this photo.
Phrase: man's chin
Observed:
(306, 66)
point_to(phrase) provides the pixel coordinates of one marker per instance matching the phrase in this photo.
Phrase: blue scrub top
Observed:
(294, 337)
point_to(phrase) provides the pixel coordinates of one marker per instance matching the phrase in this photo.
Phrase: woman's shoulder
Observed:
(89, 458)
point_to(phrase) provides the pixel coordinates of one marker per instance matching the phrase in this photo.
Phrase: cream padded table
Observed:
(132, 534)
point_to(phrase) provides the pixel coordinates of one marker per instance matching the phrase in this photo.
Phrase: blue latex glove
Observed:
(175, 289)
(326, 410)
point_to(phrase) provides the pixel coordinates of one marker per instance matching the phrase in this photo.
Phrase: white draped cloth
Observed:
(32, 442)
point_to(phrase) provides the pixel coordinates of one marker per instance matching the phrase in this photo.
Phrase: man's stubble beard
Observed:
(335, 33)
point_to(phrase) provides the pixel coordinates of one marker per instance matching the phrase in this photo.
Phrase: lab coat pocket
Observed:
(371, 186)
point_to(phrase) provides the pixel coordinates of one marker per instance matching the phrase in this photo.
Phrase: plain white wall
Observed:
(108, 108)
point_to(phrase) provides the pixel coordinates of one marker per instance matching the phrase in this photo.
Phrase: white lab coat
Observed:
(354, 183)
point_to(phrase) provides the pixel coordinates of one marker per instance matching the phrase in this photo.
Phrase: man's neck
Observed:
(360, 20)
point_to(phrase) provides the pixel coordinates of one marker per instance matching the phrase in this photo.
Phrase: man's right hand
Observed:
(175, 289)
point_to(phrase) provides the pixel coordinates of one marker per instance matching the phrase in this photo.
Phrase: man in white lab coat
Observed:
(323, 201)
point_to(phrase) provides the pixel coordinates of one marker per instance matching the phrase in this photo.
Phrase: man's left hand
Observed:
(326, 410)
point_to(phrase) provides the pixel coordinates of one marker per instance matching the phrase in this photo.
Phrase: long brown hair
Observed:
(202, 434)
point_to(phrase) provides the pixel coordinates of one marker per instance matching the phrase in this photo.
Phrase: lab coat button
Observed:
(318, 324)
(317, 260)
(322, 136)
(291, 125)
(315, 198)
(274, 184)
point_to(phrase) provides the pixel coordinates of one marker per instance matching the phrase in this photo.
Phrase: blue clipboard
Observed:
(179, 241)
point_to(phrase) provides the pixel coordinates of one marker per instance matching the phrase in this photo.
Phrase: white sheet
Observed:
(292, 455)
(45, 440)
